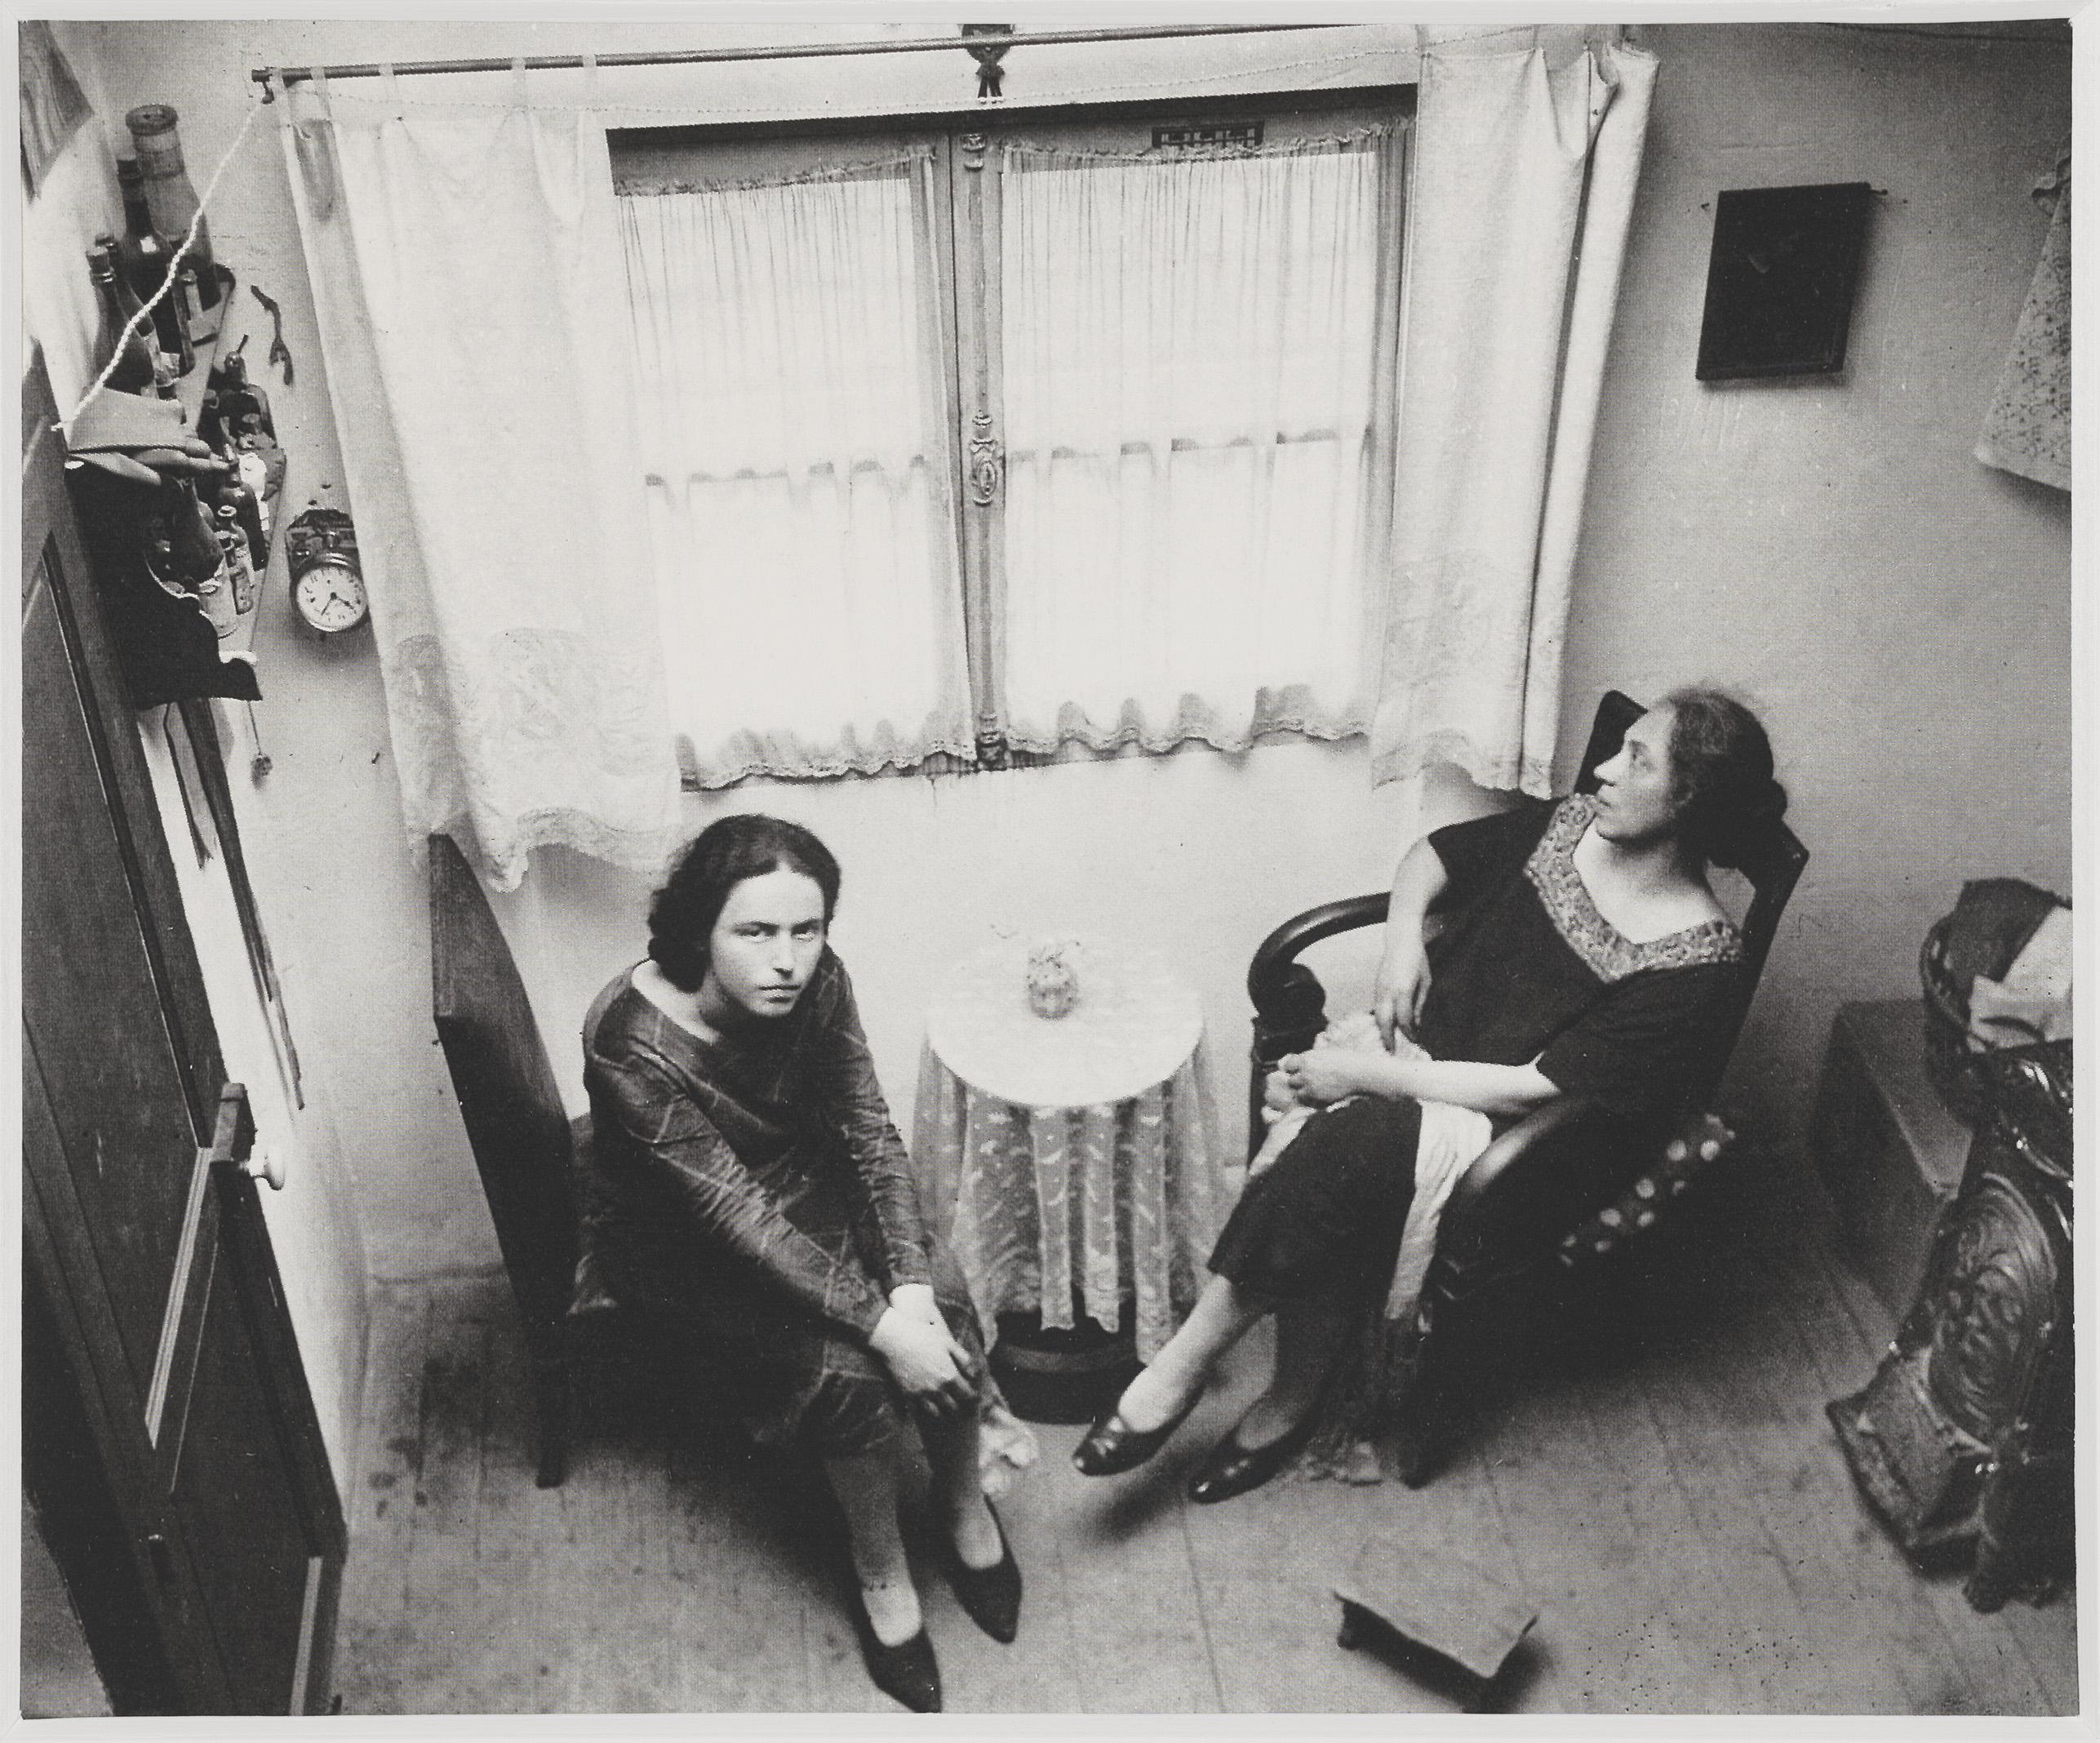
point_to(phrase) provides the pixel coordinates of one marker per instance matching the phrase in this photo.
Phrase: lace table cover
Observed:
(1079, 1151)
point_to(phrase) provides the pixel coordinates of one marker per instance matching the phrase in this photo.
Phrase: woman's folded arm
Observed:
(734, 1213)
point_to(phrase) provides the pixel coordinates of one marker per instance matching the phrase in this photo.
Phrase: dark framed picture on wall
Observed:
(1780, 282)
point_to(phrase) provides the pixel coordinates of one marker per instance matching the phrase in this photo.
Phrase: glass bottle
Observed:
(217, 593)
(186, 294)
(169, 196)
(247, 511)
(240, 571)
(134, 373)
(143, 257)
(131, 309)
(192, 534)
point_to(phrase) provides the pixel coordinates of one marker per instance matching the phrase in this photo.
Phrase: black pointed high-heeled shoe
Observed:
(908, 1672)
(1230, 1469)
(1112, 1446)
(990, 1596)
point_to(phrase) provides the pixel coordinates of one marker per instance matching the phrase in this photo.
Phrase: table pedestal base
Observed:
(1053, 1374)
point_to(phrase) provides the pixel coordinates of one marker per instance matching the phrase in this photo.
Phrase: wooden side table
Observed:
(1885, 1145)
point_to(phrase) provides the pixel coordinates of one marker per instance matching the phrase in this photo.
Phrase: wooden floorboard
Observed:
(375, 1641)
(1666, 1490)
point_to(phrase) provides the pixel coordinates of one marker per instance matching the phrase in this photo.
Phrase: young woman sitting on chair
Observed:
(1584, 954)
(758, 1200)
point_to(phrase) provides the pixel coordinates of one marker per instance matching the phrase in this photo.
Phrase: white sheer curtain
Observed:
(464, 262)
(1522, 194)
(1197, 360)
(794, 438)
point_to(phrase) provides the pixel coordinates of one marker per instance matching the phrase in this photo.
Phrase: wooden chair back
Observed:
(521, 1137)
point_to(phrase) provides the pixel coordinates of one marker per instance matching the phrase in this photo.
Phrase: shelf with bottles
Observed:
(202, 365)
(176, 466)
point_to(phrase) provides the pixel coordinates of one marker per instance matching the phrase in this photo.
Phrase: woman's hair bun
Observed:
(1721, 769)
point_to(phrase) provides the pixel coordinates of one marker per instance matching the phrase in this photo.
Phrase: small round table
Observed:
(1099, 1122)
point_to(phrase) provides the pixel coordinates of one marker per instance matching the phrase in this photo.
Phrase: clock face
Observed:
(330, 597)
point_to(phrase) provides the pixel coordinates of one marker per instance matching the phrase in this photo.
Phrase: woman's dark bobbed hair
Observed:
(1721, 775)
(682, 914)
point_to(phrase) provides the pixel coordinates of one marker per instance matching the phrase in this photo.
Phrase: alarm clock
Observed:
(328, 587)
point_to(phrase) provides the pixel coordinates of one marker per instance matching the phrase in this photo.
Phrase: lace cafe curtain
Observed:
(464, 260)
(794, 442)
(1198, 382)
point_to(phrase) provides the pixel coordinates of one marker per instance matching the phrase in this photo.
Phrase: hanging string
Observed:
(138, 321)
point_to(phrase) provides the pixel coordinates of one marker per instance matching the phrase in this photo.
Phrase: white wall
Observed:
(1902, 611)
(1830, 546)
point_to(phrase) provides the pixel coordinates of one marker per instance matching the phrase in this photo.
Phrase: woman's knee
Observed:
(851, 1409)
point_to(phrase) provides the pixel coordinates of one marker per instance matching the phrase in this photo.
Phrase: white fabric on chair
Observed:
(1521, 198)
(466, 273)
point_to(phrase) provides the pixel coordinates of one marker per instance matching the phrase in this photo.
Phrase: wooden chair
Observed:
(1500, 1236)
(525, 1144)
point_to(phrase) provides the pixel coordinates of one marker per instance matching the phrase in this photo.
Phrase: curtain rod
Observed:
(792, 51)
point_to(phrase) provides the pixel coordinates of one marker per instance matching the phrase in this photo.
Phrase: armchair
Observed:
(1500, 1238)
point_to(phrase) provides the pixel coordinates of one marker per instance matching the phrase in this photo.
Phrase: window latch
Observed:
(987, 461)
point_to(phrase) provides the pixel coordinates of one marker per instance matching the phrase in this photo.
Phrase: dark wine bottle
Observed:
(134, 373)
(143, 256)
(192, 536)
(169, 195)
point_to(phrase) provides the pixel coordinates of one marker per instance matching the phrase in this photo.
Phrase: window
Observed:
(1042, 435)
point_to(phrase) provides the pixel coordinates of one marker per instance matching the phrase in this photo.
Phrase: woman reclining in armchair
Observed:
(1584, 954)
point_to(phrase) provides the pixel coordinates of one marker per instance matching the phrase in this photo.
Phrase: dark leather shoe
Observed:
(991, 1597)
(908, 1672)
(1112, 1446)
(1231, 1468)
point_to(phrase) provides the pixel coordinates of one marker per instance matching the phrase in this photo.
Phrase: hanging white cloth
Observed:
(467, 276)
(2027, 429)
(1198, 363)
(801, 497)
(1522, 195)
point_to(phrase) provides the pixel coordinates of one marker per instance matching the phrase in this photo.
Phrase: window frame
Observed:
(963, 141)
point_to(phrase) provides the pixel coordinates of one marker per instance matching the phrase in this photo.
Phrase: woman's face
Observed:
(1634, 802)
(764, 947)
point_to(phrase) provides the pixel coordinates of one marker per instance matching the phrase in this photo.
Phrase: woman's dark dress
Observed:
(753, 1194)
(1526, 969)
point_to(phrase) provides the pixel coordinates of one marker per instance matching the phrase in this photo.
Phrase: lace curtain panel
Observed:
(794, 440)
(1522, 196)
(1198, 378)
(464, 262)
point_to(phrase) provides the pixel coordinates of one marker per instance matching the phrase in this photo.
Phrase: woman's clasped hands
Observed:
(1322, 1075)
(922, 1356)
